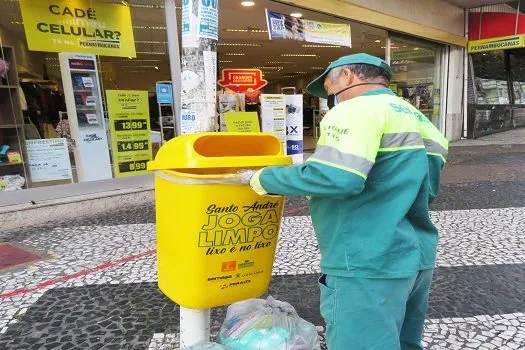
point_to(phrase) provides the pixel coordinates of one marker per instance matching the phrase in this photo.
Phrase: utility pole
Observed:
(199, 65)
(172, 28)
(200, 28)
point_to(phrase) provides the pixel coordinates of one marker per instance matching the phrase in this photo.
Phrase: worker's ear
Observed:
(348, 76)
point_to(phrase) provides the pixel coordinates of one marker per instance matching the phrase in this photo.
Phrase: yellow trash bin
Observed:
(216, 238)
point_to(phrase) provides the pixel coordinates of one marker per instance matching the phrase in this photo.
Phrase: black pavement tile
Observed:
(126, 316)
(480, 196)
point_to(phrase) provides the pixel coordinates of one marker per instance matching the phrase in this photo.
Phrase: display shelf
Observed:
(82, 90)
(10, 126)
(11, 119)
(11, 164)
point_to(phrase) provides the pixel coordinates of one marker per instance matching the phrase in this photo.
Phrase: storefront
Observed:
(496, 69)
(42, 91)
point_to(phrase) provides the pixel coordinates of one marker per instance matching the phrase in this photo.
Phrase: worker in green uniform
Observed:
(371, 180)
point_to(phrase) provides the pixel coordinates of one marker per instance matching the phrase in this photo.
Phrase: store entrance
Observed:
(287, 64)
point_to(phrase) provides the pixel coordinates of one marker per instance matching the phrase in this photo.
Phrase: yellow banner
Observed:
(83, 26)
(130, 131)
(501, 43)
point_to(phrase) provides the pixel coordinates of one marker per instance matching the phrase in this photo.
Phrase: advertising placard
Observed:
(294, 127)
(242, 122)
(273, 115)
(164, 93)
(48, 160)
(188, 124)
(130, 131)
(240, 80)
(209, 19)
(282, 26)
(83, 26)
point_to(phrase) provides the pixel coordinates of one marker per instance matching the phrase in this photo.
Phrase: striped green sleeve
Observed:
(345, 154)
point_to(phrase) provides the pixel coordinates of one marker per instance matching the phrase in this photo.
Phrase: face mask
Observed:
(332, 99)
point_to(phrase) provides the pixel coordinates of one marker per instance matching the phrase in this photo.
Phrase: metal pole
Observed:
(465, 76)
(517, 17)
(170, 11)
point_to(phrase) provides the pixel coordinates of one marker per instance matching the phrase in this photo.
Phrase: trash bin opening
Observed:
(237, 145)
(202, 176)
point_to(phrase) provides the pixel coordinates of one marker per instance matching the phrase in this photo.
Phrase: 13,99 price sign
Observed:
(130, 131)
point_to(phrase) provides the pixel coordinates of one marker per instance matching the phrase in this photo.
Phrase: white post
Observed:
(200, 26)
(466, 72)
(194, 326)
(172, 28)
(198, 113)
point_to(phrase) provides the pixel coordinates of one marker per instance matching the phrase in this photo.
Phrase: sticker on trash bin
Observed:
(232, 229)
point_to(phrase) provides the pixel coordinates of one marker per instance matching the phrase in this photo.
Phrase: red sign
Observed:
(240, 80)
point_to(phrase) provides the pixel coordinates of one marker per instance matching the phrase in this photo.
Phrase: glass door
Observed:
(419, 75)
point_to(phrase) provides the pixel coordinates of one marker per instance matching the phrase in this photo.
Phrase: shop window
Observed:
(491, 78)
(517, 68)
(417, 67)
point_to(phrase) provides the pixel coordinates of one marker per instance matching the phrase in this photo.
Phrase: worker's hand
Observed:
(245, 176)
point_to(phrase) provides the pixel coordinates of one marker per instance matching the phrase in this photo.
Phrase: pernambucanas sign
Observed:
(83, 26)
(500, 43)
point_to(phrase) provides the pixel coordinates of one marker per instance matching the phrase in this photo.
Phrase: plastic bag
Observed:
(207, 346)
(12, 182)
(258, 324)
(240, 177)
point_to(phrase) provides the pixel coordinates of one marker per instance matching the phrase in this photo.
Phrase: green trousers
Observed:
(369, 314)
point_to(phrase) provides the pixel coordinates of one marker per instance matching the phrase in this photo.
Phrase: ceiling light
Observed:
(151, 53)
(239, 44)
(322, 46)
(225, 61)
(124, 2)
(150, 27)
(235, 54)
(317, 68)
(141, 67)
(150, 42)
(248, 3)
(137, 60)
(377, 41)
(279, 62)
(416, 48)
(383, 47)
(247, 30)
(266, 67)
(296, 14)
(297, 55)
(156, 67)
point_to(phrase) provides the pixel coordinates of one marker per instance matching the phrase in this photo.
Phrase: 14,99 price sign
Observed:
(130, 131)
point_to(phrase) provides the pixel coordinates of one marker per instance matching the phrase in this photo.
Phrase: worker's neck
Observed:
(363, 89)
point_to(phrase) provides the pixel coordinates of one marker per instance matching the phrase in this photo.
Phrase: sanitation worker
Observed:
(375, 171)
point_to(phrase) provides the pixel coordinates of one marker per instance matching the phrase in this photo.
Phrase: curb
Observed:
(35, 213)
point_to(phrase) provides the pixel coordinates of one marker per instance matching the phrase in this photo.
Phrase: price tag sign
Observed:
(130, 131)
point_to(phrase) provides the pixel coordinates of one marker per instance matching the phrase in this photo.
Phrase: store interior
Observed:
(243, 43)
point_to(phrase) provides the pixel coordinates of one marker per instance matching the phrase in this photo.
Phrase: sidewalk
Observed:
(512, 137)
(90, 282)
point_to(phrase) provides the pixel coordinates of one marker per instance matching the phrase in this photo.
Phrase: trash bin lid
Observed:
(220, 150)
